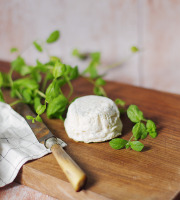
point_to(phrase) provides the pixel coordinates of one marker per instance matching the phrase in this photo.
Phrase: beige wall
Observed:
(109, 26)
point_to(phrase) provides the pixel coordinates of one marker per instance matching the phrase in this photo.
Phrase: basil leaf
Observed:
(59, 69)
(29, 117)
(12, 50)
(138, 130)
(100, 82)
(136, 145)
(37, 102)
(27, 95)
(120, 102)
(134, 114)
(151, 128)
(6, 81)
(37, 46)
(57, 106)
(118, 143)
(1, 96)
(40, 109)
(26, 83)
(74, 73)
(1, 80)
(134, 49)
(127, 145)
(98, 91)
(17, 64)
(54, 36)
(38, 118)
(52, 91)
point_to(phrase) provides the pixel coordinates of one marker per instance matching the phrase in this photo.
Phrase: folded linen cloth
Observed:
(18, 144)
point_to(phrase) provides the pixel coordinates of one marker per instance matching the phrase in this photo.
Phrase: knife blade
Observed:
(73, 172)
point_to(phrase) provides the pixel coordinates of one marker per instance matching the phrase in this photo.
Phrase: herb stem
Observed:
(16, 102)
(10, 76)
(70, 86)
(130, 138)
(41, 94)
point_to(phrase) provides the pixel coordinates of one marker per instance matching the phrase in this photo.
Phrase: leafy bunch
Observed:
(41, 86)
(140, 130)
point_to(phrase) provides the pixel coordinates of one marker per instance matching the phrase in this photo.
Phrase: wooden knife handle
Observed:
(73, 172)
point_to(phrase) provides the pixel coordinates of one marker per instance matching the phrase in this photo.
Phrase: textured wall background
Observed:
(108, 26)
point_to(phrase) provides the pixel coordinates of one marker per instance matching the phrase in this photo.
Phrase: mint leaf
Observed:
(59, 69)
(151, 128)
(134, 49)
(118, 143)
(1, 80)
(37, 46)
(54, 36)
(29, 117)
(38, 118)
(52, 91)
(136, 145)
(120, 102)
(57, 106)
(12, 50)
(40, 109)
(139, 130)
(1, 96)
(100, 82)
(134, 114)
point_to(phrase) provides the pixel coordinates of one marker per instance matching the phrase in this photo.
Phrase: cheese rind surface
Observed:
(93, 119)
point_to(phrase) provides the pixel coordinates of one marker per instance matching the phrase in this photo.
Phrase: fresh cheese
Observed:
(93, 119)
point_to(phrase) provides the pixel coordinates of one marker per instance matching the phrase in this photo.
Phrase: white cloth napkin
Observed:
(18, 144)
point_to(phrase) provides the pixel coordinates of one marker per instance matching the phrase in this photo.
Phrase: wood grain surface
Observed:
(153, 173)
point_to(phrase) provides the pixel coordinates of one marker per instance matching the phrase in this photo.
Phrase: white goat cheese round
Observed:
(93, 119)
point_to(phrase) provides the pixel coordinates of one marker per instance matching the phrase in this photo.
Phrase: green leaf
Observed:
(59, 69)
(54, 36)
(52, 91)
(26, 83)
(57, 106)
(40, 109)
(36, 75)
(134, 49)
(100, 82)
(6, 81)
(25, 70)
(37, 102)
(75, 52)
(96, 56)
(118, 143)
(81, 56)
(18, 63)
(38, 118)
(1, 96)
(120, 102)
(151, 128)
(54, 59)
(27, 95)
(37, 46)
(29, 117)
(139, 130)
(1, 80)
(134, 114)
(136, 145)
(98, 91)
(12, 50)
(74, 73)
(127, 145)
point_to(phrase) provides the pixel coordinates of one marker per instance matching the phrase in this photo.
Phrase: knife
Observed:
(73, 172)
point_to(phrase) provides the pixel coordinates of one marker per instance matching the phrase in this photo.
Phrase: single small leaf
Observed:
(136, 145)
(40, 109)
(38, 118)
(98, 91)
(134, 114)
(100, 82)
(127, 145)
(59, 69)
(120, 102)
(153, 134)
(27, 95)
(1, 96)
(12, 50)
(52, 91)
(134, 49)
(74, 73)
(18, 63)
(1, 80)
(138, 130)
(118, 143)
(54, 36)
(37, 46)
(29, 117)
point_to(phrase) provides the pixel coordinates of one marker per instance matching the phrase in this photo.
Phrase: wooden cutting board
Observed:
(153, 173)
